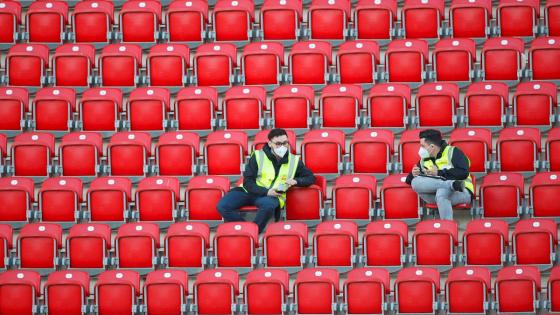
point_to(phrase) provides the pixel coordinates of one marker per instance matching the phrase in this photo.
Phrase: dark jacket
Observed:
(303, 176)
(460, 170)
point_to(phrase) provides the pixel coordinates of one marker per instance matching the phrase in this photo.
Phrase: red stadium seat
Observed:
(235, 244)
(165, 291)
(195, 108)
(108, 198)
(385, 243)
(60, 198)
(476, 144)
(533, 104)
(486, 104)
(80, 153)
(517, 289)
(73, 65)
(16, 198)
(280, 20)
(147, 108)
(398, 200)
(307, 203)
(187, 237)
(388, 105)
(26, 65)
(6, 244)
(292, 106)
(501, 195)
(243, 107)
(176, 153)
(261, 138)
(434, 242)
(266, 291)
(365, 290)
(92, 21)
(53, 109)
(470, 19)
(284, 244)
(543, 194)
(354, 197)
(14, 104)
(467, 289)
(501, 58)
(140, 20)
(136, 245)
(552, 11)
(422, 19)
(19, 291)
(329, 19)
(233, 20)
(66, 292)
(310, 61)
(128, 153)
(371, 151)
(212, 283)
(453, 59)
(117, 291)
(203, 194)
(543, 53)
(39, 244)
(518, 149)
(518, 18)
(168, 64)
(88, 245)
(484, 242)
(406, 59)
(436, 104)
(214, 64)
(416, 290)
(357, 62)
(408, 149)
(315, 290)
(553, 150)
(340, 106)
(46, 21)
(156, 198)
(552, 289)
(375, 20)
(99, 109)
(534, 242)
(334, 243)
(262, 63)
(225, 145)
(10, 21)
(119, 64)
(186, 20)
(32, 154)
(322, 151)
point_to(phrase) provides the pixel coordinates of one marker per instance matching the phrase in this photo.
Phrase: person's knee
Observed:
(223, 206)
(416, 184)
(268, 204)
(441, 195)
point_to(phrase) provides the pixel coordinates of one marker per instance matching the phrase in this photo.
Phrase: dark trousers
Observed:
(229, 207)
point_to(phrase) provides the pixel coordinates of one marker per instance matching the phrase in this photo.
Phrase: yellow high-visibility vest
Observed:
(444, 162)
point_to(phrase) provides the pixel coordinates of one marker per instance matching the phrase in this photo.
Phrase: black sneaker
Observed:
(459, 185)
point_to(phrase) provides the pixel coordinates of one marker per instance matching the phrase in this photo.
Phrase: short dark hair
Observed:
(431, 136)
(277, 132)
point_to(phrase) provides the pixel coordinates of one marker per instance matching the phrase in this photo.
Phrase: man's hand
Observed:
(273, 193)
(415, 171)
(291, 182)
(433, 171)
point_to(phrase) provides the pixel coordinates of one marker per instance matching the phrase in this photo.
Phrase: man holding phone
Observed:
(269, 173)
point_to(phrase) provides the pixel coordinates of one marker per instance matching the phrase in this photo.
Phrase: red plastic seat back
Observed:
(467, 289)
(191, 237)
(486, 103)
(291, 106)
(165, 291)
(470, 19)
(553, 149)
(517, 287)
(157, 198)
(186, 21)
(235, 244)
(518, 18)
(309, 62)
(518, 148)
(381, 15)
(354, 196)
(209, 284)
(136, 244)
(92, 21)
(232, 20)
(108, 198)
(322, 150)
(46, 21)
(99, 108)
(10, 20)
(365, 289)
(225, 151)
(334, 243)
(214, 64)
(280, 19)
(60, 198)
(39, 244)
(32, 153)
(305, 203)
(73, 64)
(80, 153)
(476, 144)
(315, 290)
(534, 240)
(435, 241)
(501, 194)
(19, 291)
(501, 58)
(284, 244)
(16, 197)
(416, 289)
(195, 107)
(119, 64)
(128, 153)
(117, 290)
(398, 199)
(139, 20)
(262, 63)
(203, 194)
(422, 19)
(26, 64)
(534, 103)
(88, 245)
(385, 243)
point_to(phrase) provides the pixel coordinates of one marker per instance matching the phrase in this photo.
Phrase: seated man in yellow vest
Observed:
(442, 174)
(269, 173)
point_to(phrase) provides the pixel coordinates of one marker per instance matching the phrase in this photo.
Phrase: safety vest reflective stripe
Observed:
(445, 162)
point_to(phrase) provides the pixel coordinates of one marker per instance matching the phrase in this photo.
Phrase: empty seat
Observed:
(552, 289)
(119, 64)
(408, 149)
(553, 150)
(168, 64)
(502, 195)
(46, 21)
(186, 244)
(543, 194)
(53, 109)
(543, 53)
(10, 21)
(501, 58)
(517, 288)
(136, 245)
(235, 244)
(217, 282)
(261, 138)
(66, 292)
(340, 106)
(26, 64)
(310, 61)
(6, 243)
(306, 203)
(14, 104)
(222, 146)
(484, 242)
(147, 108)
(436, 104)
(322, 151)
(385, 243)
(334, 243)
(266, 291)
(354, 197)
(16, 198)
(214, 64)
(60, 198)
(243, 107)
(329, 20)
(416, 290)
(398, 200)
(534, 242)
(165, 291)
(195, 108)
(73, 65)
(467, 289)
(534, 103)
(19, 291)
(434, 242)
(315, 290)
(365, 290)
(156, 198)
(99, 109)
(357, 61)
(470, 19)
(406, 59)
(518, 18)
(518, 149)
(280, 20)
(371, 151)
(388, 105)
(117, 291)
(176, 153)
(486, 104)
(454, 59)
(476, 144)
(80, 154)
(203, 194)
(292, 106)
(233, 20)
(381, 15)
(552, 10)
(88, 245)
(285, 244)
(140, 20)
(32, 154)
(39, 245)
(128, 153)
(108, 198)
(422, 19)
(92, 21)
(186, 21)
(262, 63)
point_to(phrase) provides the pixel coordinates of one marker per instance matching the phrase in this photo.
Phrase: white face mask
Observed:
(423, 153)
(281, 151)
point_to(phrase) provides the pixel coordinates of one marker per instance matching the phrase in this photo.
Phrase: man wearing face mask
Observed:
(442, 174)
(269, 173)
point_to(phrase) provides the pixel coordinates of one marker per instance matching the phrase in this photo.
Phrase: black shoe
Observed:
(459, 185)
